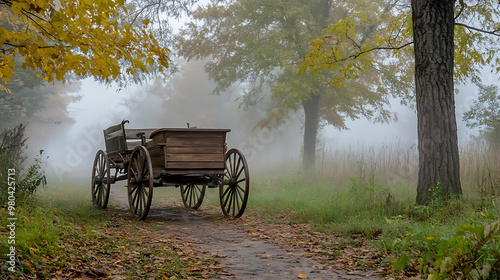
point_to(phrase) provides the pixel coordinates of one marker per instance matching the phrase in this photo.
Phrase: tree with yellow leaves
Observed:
(84, 37)
(450, 41)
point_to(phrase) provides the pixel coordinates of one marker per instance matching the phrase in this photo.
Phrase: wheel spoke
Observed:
(239, 181)
(237, 167)
(141, 200)
(137, 170)
(99, 165)
(231, 201)
(134, 173)
(196, 194)
(232, 204)
(144, 165)
(191, 195)
(240, 191)
(227, 200)
(234, 164)
(226, 194)
(135, 194)
(132, 190)
(99, 194)
(239, 172)
(102, 167)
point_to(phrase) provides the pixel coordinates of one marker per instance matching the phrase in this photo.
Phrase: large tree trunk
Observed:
(311, 111)
(433, 29)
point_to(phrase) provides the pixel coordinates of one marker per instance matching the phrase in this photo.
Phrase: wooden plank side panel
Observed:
(190, 151)
(157, 157)
(194, 141)
(195, 165)
(195, 157)
(196, 150)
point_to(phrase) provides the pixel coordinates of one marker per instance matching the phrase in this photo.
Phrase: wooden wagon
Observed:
(190, 158)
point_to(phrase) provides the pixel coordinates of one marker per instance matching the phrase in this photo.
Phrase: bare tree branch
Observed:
(494, 32)
(356, 55)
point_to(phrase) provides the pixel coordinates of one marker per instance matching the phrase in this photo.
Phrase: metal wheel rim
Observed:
(101, 180)
(192, 195)
(140, 182)
(233, 193)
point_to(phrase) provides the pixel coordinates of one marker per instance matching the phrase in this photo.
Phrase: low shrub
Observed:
(18, 181)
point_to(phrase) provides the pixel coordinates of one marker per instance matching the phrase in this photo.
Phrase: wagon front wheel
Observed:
(192, 195)
(233, 192)
(140, 182)
(101, 180)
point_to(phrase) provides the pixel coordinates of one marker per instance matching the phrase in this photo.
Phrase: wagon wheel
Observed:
(101, 180)
(140, 182)
(233, 191)
(192, 195)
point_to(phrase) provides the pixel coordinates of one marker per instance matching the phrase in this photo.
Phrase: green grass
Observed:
(371, 194)
(384, 216)
(62, 233)
(327, 204)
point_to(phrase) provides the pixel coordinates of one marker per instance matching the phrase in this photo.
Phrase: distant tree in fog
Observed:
(34, 101)
(485, 114)
(448, 47)
(258, 44)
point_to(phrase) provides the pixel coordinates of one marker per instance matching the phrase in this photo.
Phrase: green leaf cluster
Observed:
(484, 113)
(259, 44)
(343, 46)
(472, 252)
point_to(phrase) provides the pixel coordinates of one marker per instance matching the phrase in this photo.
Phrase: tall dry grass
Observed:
(480, 170)
(388, 164)
(394, 164)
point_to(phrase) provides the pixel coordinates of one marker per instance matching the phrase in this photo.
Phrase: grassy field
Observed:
(371, 192)
(354, 193)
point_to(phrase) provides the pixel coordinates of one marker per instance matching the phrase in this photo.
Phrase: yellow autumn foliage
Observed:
(85, 37)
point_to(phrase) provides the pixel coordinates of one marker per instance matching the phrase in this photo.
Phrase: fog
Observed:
(186, 99)
(71, 147)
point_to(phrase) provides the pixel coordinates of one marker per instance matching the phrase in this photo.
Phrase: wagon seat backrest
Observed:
(116, 142)
(120, 141)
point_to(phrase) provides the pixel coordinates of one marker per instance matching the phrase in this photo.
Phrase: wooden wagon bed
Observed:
(188, 151)
(189, 158)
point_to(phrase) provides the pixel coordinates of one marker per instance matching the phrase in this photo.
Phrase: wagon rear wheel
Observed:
(140, 182)
(192, 195)
(101, 180)
(233, 192)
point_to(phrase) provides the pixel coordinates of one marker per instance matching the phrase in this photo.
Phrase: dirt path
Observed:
(246, 254)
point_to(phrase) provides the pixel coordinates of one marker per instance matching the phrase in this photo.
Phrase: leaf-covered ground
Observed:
(175, 243)
(117, 249)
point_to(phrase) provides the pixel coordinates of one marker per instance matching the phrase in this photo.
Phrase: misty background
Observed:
(72, 145)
